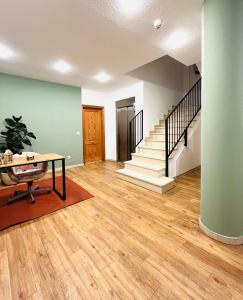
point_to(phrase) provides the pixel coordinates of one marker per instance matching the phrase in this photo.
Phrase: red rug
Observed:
(23, 210)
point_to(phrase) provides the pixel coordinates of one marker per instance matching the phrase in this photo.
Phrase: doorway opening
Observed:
(125, 111)
(93, 133)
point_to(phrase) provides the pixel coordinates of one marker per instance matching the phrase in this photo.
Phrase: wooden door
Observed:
(93, 133)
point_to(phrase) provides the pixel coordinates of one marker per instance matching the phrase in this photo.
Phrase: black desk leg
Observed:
(63, 195)
(53, 176)
(63, 180)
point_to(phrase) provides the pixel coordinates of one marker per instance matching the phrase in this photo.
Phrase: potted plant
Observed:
(14, 137)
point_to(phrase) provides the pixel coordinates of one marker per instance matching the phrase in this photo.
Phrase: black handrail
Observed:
(179, 119)
(136, 131)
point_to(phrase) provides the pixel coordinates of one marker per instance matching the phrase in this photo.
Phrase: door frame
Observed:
(102, 109)
(120, 104)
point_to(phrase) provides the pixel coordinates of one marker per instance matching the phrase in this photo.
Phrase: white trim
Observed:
(67, 167)
(235, 241)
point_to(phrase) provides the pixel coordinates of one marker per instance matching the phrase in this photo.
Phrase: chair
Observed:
(28, 174)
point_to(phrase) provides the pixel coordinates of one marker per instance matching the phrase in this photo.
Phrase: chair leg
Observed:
(32, 198)
(41, 191)
(31, 192)
(17, 197)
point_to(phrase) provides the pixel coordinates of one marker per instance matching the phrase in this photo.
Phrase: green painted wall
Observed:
(52, 111)
(222, 117)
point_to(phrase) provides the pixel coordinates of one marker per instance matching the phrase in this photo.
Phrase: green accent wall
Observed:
(222, 117)
(52, 111)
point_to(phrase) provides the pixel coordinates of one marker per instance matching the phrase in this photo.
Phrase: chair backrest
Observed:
(27, 173)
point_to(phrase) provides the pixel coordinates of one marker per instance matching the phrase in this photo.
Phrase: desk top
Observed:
(20, 161)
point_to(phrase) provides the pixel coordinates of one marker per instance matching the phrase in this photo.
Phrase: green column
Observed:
(222, 120)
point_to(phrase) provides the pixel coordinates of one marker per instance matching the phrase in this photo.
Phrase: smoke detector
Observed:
(157, 23)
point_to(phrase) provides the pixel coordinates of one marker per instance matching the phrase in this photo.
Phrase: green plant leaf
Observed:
(21, 125)
(10, 122)
(16, 135)
(17, 119)
(26, 141)
(31, 134)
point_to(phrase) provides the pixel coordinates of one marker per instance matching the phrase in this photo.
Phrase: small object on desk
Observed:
(30, 157)
(8, 156)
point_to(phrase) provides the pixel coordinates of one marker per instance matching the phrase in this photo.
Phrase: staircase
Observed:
(149, 166)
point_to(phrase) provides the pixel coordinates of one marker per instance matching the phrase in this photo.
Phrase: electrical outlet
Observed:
(78, 133)
(69, 157)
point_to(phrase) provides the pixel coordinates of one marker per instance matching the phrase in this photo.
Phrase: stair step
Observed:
(153, 156)
(144, 165)
(153, 149)
(156, 137)
(149, 159)
(159, 185)
(145, 168)
(155, 143)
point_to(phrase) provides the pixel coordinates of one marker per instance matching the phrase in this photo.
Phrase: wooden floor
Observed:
(125, 243)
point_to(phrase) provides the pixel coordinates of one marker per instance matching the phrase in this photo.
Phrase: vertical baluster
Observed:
(134, 132)
(168, 137)
(179, 108)
(173, 136)
(197, 98)
(177, 125)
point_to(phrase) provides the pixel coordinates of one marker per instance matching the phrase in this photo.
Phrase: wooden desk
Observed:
(51, 157)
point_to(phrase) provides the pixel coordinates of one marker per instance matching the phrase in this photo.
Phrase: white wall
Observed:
(187, 158)
(157, 101)
(108, 100)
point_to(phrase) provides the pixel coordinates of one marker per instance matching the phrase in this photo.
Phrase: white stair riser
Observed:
(157, 137)
(146, 185)
(145, 170)
(152, 151)
(157, 144)
(153, 161)
(159, 129)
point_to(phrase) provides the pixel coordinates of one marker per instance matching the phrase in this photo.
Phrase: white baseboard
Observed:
(235, 241)
(67, 167)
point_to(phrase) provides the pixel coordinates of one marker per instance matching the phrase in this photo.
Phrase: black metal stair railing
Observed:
(179, 119)
(136, 131)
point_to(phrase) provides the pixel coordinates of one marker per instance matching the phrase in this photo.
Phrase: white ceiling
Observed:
(94, 36)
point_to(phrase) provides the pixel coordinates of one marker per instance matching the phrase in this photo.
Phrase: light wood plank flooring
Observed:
(125, 243)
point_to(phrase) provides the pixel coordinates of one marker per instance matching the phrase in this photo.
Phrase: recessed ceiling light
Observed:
(5, 52)
(62, 66)
(102, 77)
(178, 39)
(157, 23)
(131, 8)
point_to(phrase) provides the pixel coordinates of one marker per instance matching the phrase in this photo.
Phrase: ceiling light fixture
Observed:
(157, 23)
(5, 52)
(131, 8)
(178, 39)
(102, 77)
(62, 66)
